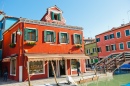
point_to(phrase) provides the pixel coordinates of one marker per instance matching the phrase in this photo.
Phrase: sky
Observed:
(95, 16)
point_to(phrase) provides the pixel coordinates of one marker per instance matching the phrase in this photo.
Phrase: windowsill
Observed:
(108, 51)
(63, 43)
(49, 42)
(73, 69)
(121, 49)
(30, 41)
(37, 74)
(13, 74)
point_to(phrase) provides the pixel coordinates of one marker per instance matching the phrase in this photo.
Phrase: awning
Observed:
(32, 57)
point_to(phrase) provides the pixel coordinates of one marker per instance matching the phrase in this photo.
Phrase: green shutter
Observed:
(96, 60)
(54, 35)
(52, 15)
(25, 34)
(36, 34)
(74, 39)
(80, 39)
(59, 17)
(91, 60)
(45, 33)
(67, 37)
(59, 37)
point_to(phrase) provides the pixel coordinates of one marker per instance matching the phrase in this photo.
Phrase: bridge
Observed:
(112, 62)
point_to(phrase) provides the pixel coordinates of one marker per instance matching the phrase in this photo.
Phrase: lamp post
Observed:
(128, 15)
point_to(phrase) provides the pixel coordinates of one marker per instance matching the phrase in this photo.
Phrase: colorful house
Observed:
(5, 23)
(114, 41)
(91, 50)
(39, 43)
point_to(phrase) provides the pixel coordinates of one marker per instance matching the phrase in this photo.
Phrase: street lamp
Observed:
(128, 15)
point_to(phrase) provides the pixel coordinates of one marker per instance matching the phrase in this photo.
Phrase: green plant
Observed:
(78, 45)
(12, 45)
(31, 43)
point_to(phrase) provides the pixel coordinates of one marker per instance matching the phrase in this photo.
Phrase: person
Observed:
(5, 74)
(78, 67)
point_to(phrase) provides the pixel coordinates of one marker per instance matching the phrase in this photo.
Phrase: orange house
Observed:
(114, 41)
(39, 43)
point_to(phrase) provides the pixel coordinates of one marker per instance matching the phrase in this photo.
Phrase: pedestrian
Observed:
(5, 74)
(78, 67)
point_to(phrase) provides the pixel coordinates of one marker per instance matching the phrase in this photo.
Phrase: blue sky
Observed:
(95, 16)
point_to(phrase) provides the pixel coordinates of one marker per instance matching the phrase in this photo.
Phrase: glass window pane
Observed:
(127, 32)
(121, 46)
(128, 44)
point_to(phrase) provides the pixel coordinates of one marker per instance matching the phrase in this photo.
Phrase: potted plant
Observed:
(12, 45)
(78, 45)
(31, 43)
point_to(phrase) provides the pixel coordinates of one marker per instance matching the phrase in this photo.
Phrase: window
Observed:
(88, 51)
(55, 16)
(77, 38)
(128, 44)
(106, 37)
(49, 36)
(97, 39)
(13, 66)
(94, 50)
(30, 34)
(118, 34)
(113, 47)
(13, 38)
(63, 37)
(107, 48)
(73, 64)
(36, 67)
(111, 36)
(99, 49)
(121, 46)
(127, 32)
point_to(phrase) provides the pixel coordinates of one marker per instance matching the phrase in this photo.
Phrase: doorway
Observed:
(51, 74)
(62, 67)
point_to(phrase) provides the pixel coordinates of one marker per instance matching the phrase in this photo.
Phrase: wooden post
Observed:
(28, 74)
(124, 57)
(54, 73)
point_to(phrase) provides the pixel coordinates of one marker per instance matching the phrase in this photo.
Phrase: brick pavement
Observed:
(43, 81)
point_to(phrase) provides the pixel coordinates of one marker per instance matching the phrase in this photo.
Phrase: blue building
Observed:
(5, 23)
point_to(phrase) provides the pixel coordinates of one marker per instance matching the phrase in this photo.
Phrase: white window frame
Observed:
(43, 68)
(127, 44)
(94, 49)
(107, 36)
(66, 33)
(50, 31)
(111, 34)
(125, 32)
(116, 35)
(15, 34)
(119, 46)
(12, 58)
(114, 47)
(108, 47)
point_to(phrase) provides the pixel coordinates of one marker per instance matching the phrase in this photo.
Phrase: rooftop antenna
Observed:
(123, 21)
(128, 15)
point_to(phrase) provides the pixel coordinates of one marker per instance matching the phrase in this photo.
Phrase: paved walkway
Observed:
(43, 81)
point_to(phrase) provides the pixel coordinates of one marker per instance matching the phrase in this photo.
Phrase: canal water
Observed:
(119, 79)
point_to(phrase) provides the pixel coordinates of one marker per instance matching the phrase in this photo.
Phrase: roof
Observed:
(115, 28)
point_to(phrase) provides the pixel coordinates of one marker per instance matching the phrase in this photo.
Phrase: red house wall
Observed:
(40, 47)
(115, 40)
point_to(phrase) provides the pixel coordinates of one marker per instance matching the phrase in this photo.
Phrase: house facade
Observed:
(91, 50)
(41, 42)
(114, 41)
(5, 23)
